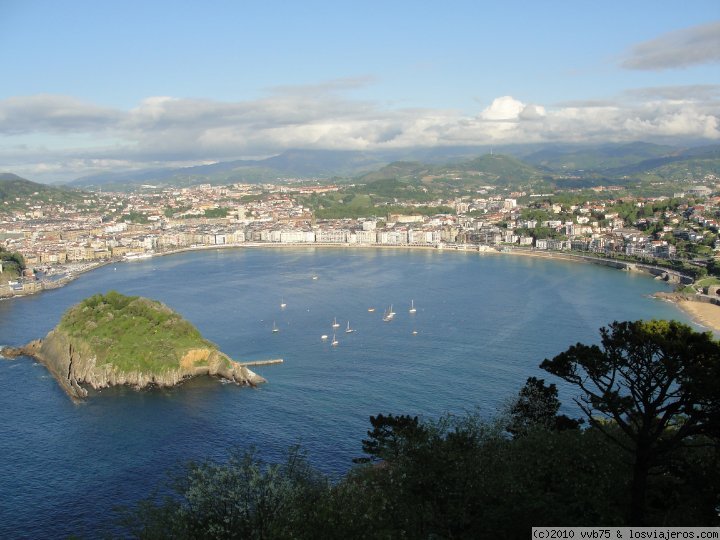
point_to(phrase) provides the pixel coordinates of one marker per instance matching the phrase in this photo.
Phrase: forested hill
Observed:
(17, 192)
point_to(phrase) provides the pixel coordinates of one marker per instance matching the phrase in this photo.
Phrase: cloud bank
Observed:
(39, 134)
(679, 49)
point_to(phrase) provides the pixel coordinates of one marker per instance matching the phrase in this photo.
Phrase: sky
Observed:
(95, 86)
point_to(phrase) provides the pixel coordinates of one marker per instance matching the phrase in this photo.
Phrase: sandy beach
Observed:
(706, 314)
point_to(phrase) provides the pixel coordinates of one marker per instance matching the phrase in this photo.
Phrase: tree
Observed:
(240, 498)
(391, 437)
(657, 381)
(537, 406)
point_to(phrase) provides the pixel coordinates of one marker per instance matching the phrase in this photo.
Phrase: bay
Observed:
(483, 323)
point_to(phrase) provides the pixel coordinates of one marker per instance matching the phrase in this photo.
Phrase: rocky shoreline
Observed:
(75, 368)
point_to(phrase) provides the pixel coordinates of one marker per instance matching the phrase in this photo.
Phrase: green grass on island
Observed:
(132, 333)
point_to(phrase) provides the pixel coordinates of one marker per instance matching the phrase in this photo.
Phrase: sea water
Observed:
(482, 326)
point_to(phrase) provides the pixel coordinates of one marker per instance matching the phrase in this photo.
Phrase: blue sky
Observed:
(92, 86)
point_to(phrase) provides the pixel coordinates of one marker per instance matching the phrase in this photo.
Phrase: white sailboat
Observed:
(389, 314)
(412, 306)
(335, 324)
(275, 329)
(349, 330)
(282, 303)
(334, 341)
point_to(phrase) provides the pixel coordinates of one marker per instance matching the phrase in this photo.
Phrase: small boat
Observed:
(335, 324)
(314, 277)
(389, 314)
(371, 310)
(334, 341)
(324, 337)
(349, 330)
(275, 329)
(283, 305)
(412, 306)
(414, 332)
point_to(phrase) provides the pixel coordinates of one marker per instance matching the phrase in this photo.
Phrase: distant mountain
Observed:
(500, 169)
(494, 169)
(564, 159)
(289, 164)
(517, 164)
(399, 170)
(689, 164)
(13, 187)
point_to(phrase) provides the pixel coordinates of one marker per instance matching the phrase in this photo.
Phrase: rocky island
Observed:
(113, 339)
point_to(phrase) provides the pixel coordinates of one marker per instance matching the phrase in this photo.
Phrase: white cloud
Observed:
(679, 49)
(188, 131)
(503, 108)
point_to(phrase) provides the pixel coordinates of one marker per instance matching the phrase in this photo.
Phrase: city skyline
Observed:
(104, 87)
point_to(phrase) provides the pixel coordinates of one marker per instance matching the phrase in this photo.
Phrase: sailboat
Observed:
(275, 329)
(349, 330)
(334, 341)
(335, 324)
(282, 303)
(412, 306)
(389, 314)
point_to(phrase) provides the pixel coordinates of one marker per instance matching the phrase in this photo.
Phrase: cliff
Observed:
(112, 339)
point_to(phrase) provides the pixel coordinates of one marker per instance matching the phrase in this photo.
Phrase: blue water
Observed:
(484, 323)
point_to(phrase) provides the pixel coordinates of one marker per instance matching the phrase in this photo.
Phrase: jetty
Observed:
(262, 362)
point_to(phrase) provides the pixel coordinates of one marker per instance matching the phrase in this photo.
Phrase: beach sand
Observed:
(707, 315)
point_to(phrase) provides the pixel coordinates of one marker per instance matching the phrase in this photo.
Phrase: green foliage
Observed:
(502, 170)
(12, 261)
(16, 192)
(171, 211)
(134, 217)
(132, 333)
(536, 407)
(657, 381)
(216, 212)
(390, 437)
(465, 477)
(241, 498)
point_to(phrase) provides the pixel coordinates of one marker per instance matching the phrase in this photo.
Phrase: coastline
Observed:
(701, 311)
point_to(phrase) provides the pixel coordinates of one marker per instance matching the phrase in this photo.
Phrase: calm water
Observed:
(484, 323)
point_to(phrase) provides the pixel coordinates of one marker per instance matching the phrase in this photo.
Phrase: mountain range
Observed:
(525, 163)
(516, 165)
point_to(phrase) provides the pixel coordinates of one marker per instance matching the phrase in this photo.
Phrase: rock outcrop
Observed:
(73, 361)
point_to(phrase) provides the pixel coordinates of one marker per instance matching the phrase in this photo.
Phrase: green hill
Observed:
(113, 339)
(398, 170)
(597, 158)
(131, 332)
(500, 169)
(15, 192)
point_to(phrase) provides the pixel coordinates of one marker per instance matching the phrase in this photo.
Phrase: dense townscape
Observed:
(70, 234)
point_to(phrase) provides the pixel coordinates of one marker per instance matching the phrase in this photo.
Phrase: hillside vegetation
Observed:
(652, 459)
(132, 333)
(17, 192)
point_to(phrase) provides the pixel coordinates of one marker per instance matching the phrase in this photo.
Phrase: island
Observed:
(112, 339)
